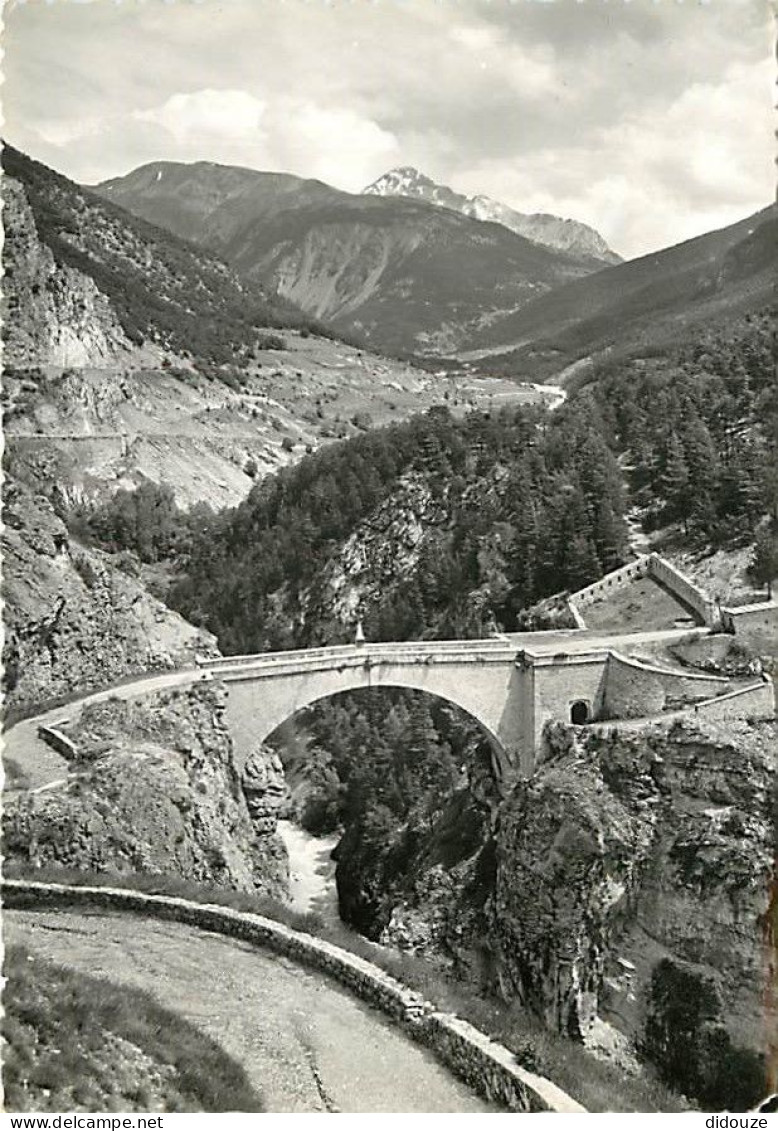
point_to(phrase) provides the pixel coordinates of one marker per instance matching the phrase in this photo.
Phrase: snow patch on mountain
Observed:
(552, 231)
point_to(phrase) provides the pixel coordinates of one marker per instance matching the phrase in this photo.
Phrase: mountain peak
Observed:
(404, 180)
(566, 235)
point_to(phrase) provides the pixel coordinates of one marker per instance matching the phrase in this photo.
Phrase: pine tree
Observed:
(676, 483)
(763, 568)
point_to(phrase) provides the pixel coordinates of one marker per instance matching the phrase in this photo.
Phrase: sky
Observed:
(651, 120)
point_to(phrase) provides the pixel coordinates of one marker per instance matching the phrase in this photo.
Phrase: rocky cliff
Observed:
(383, 551)
(631, 873)
(626, 850)
(54, 314)
(152, 788)
(73, 621)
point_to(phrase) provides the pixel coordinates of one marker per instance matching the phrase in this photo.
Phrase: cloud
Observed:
(336, 144)
(474, 38)
(205, 117)
(654, 177)
(648, 121)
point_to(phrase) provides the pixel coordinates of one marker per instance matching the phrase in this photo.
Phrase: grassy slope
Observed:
(81, 1043)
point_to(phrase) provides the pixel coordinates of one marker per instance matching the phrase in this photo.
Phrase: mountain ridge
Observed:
(407, 275)
(541, 227)
(645, 304)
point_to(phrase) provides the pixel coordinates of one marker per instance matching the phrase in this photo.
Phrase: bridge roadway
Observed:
(41, 766)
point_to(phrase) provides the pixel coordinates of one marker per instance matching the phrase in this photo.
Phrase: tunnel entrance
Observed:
(579, 712)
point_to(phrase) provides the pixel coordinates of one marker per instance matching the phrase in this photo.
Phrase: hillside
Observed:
(74, 620)
(131, 354)
(697, 430)
(159, 288)
(436, 527)
(404, 274)
(552, 231)
(645, 305)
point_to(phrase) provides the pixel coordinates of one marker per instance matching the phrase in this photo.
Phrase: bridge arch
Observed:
(501, 759)
(490, 693)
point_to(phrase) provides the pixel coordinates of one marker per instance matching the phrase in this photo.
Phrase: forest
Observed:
(529, 506)
(526, 504)
(699, 430)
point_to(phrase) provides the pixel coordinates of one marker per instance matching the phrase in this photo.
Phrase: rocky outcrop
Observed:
(382, 551)
(153, 789)
(627, 851)
(54, 314)
(267, 799)
(73, 621)
(629, 865)
(553, 231)
(425, 886)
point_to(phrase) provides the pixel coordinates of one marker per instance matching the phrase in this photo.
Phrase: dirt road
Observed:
(306, 1044)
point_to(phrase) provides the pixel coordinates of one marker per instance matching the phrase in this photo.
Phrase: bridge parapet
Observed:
(338, 651)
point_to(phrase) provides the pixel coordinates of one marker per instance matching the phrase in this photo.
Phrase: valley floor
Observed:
(305, 1044)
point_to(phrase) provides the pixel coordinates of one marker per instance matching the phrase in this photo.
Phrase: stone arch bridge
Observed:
(511, 685)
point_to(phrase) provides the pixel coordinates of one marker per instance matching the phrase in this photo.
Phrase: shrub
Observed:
(85, 570)
(692, 1051)
(362, 420)
(271, 342)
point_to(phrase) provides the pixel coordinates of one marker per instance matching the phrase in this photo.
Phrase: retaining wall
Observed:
(761, 616)
(684, 589)
(757, 701)
(485, 1065)
(634, 689)
(618, 577)
(650, 565)
(58, 741)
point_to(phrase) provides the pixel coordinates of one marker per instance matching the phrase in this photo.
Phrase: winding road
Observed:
(306, 1044)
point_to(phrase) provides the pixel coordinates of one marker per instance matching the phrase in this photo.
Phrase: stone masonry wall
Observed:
(683, 588)
(614, 580)
(633, 689)
(761, 616)
(650, 565)
(757, 701)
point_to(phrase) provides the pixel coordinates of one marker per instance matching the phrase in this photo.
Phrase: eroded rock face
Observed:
(383, 550)
(625, 850)
(623, 854)
(72, 620)
(265, 789)
(153, 789)
(54, 314)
